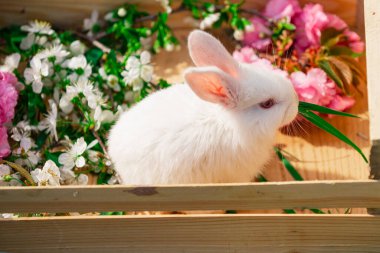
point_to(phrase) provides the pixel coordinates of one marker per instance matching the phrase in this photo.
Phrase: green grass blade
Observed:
(313, 107)
(289, 167)
(323, 124)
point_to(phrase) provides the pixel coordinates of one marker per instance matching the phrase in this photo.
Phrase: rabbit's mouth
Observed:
(297, 127)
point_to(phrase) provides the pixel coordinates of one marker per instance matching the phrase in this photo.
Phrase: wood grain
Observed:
(70, 13)
(190, 233)
(372, 21)
(328, 194)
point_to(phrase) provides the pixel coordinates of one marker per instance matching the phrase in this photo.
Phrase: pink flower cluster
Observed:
(312, 85)
(8, 101)
(312, 20)
(248, 55)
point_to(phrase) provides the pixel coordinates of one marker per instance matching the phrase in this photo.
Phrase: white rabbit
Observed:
(220, 127)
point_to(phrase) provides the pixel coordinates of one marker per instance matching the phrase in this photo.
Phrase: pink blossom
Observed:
(8, 97)
(341, 103)
(4, 145)
(309, 24)
(313, 87)
(259, 38)
(277, 9)
(335, 22)
(248, 55)
(352, 39)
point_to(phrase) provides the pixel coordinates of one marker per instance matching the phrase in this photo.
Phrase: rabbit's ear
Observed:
(205, 50)
(213, 85)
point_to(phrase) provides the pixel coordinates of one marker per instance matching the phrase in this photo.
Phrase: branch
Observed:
(101, 143)
(95, 40)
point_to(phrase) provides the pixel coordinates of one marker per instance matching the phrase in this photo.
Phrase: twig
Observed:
(181, 8)
(256, 13)
(101, 143)
(93, 41)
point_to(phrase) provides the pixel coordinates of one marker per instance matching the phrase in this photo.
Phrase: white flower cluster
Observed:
(166, 5)
(209, 20)
(138, 70)
(38, 32)
(66, 89)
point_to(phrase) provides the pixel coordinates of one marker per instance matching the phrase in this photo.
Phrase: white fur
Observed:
(173, 136)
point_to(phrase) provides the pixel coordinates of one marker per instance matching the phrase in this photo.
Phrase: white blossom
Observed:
(40, 27)
(68, 177)
(33, 75)
(7, 178)
(249, 28)
(48, 175)
(28, 41)
(138, 70)
(74, 156)
(89, 23)
(112, 80)
(169, 47)
(65, 104)
(238, 35)
(121, 12)
(113, 180)
(8, 215)
(77, 48)
(28, 158)
(209, 20)
(11, 62)
(102, 116)
(49, 123)
(166, 5)
(78, 63)
(109, 17)
(22, 136)
(56, 51)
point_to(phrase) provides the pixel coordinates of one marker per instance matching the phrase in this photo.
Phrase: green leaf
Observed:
(288, 26)
(94, 55)
(112, 213)
(342, 50)
(317, 211)
(329, 34)
(326, 66)
(261, 178)
(313, 107)
(103, 178)
(323, 124)
(52, 156)
(289, 167)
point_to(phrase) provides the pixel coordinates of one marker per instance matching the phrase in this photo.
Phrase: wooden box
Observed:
(263, 230)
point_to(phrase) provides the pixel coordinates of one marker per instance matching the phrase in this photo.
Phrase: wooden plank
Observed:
(372, 21)
(194, 197)
(70, 13)
(191, 233)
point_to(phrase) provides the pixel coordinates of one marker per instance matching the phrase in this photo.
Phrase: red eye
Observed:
(267, 104)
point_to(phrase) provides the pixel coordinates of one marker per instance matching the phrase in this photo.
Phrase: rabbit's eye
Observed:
(267, 104)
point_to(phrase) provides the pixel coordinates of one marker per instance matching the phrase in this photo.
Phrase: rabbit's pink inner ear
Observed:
(205, 50)
(212, 85)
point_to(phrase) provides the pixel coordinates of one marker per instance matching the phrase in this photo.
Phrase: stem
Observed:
(181, 8)
(23, 172)
(94, 41)
(255, 12)
(101, 143)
